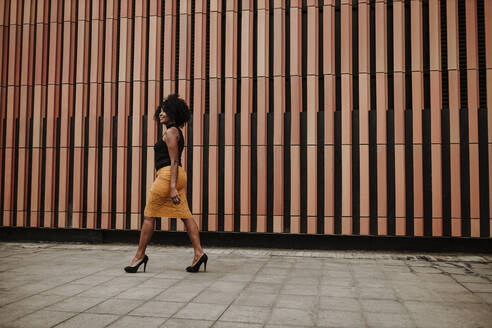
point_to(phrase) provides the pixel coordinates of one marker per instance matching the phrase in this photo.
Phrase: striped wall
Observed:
(318, 116)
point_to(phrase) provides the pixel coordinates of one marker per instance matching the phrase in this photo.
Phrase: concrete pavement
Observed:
(84, 285)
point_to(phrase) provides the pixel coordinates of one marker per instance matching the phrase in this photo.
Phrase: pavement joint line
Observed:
(149, 300)
(278, 293)
(246, 286)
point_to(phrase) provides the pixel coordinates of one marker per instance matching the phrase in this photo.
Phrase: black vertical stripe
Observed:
(444, 57)
(143, 188)
(43, 175)
(427, 170)
(100, 133)
(409, 172)
(176, 63)
(303, 173)
(320, 128)
(338, 173)
(57, 172)
(390, 50)
(255, 58)
(373, 159)
(482, 69)
(372, 40)
(220, 191)
(161, 71)
(70, 170)
(373, 173)
(207, 62)
(355, 55)
(465, 173)
(287, 61)
(320, 186)
(129, 161)
(237, 172)
(338, 124)
(338, 56)
(464, 133)
(426, 124)
(29, 166)
(304, 18)
(408, 56)
(390, 173)
(270, 178)
(355, 173)
(483, 155)
(355, 122)
(254, 169)
(287, 169)
(409, 197)
(205, 168)
(462, 53)
(114, 156)
(192, 57)
(482, 121)
(85, 168)
(446, 173)
(15, 168)
(287, 124)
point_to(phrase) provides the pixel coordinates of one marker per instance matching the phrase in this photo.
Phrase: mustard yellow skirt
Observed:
(159, 202)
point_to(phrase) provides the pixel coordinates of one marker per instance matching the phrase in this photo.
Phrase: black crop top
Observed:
(161, 154)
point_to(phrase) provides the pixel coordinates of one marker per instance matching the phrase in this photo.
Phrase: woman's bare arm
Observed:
(171, 138)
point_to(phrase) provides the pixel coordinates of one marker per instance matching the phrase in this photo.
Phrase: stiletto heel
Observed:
(133, 269)
(195, 268)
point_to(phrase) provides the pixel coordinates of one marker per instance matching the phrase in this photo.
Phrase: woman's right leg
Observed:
(146, 232)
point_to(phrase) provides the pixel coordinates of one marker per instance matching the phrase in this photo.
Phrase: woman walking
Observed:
(167, 196)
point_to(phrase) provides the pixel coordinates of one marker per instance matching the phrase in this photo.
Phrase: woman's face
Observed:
(164, 118)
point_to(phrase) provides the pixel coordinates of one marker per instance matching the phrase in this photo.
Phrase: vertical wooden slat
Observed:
(399, 89)
(41, 12)
(246, 110)
(199, 106)
(278, 114)
(230, 105)
(312, 109)
(139, 58)
(263, 100)
(123, 111)
(381, 108)
(51, 109)
(418, 105)
(436, 105)
(25, 83)
(296, 107)
(109, 88)
(215, 105)
(473, 104)
(329, 94)
(346, 114)
(454, 107)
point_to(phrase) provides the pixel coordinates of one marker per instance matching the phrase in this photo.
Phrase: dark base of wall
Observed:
(255, 240)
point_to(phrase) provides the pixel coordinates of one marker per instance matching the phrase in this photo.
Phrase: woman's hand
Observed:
(175, 196)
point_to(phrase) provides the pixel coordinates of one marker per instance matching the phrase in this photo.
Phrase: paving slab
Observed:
(242, 288)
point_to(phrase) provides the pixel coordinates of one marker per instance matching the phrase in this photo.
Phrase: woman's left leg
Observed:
(194, 236)
(146, 232)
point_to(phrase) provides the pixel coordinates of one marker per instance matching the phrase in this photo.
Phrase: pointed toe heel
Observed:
(134, 269)
(195, 268)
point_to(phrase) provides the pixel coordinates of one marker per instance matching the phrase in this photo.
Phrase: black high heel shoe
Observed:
(195, 268)
(133, 269)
